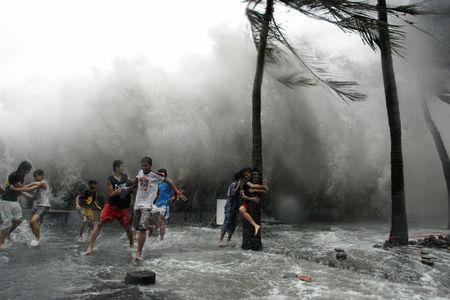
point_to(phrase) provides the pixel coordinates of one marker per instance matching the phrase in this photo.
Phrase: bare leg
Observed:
(141, 242)
(129, 234)
(249, 218)
(162, 228)
(91, 225)
(229, 237)
(82, 225)
(3, 234)
(15, 224)
(94, 235)
(35, 227)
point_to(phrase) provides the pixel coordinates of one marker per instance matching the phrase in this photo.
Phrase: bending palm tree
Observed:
(350, 16)
(442, 151)
(399, 225)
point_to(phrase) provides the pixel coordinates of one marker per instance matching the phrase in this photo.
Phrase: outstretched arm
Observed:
(77, 201)
(30, 187)
(27, 195)
(98, 206)
(178, 193)
(259, 188)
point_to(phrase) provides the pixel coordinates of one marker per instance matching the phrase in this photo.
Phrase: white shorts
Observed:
(163, 210)
(9, 211)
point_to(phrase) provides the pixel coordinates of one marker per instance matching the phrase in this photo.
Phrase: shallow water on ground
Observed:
(190, 265)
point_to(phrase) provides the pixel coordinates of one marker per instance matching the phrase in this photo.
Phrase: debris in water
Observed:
(305, 278)
(140, 277)
(427, 262)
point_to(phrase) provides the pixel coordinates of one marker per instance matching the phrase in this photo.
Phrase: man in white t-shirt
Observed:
(146, 182)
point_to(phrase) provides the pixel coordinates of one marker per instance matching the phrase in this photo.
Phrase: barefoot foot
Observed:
(89, 251)
(138, 257)
(257, 227)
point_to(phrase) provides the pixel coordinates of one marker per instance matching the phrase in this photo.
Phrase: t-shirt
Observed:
(88, 198)
(147, 189)
(8, 194)
(165, 193)
(122, 200)
(232, 195)
(246, 189)
(42, 198)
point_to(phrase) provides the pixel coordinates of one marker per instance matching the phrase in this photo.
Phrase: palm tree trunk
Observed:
(399, 226)
(257, 160)
(443, 155)
(250, 241)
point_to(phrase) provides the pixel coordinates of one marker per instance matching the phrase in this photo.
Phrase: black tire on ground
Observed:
(140, 277)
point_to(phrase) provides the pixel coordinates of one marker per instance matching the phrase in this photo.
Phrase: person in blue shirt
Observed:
(161, 203)
(232, 205)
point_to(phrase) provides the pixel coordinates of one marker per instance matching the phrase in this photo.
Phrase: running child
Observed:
(85, 202)
(119, 189)
(41, 203)
(161, 204)
(10, 209)
(146, 182)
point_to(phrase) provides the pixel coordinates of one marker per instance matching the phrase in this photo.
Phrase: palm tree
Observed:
(257, 83)
(350, 16)
(399, 225)
(440, 146)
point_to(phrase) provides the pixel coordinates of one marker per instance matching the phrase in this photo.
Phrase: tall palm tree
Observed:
(399, 225)
(350, 16)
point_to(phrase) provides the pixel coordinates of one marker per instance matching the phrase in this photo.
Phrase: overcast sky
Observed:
(53, 40)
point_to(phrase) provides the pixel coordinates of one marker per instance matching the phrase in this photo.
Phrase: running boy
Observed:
(147, 187)
(41, 203)
(161, 204)
(86, 201)
(119, 189)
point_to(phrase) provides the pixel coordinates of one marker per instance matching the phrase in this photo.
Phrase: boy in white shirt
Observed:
(146, 182)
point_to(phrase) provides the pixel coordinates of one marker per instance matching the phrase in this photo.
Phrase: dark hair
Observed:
(241, 172)
(117, 164)
(146, 160)
(24, 167)
(92, 182)
(237, 176)
(256, 170)
(14, 178)
(163, 171)
(246, 169)
(38, 172)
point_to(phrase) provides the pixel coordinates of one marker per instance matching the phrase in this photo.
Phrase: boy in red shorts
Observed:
(119, 189)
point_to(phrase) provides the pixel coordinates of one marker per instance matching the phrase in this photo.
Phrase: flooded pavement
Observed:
(190, 265)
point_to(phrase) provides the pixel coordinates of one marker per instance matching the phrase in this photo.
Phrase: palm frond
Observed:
(349, 16)
(410, 9)
(310, 73)
(318, 73)
(293, 80)
(444, 97)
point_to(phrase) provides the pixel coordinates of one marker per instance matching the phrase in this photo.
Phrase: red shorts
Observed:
(245, 204)
(111, 213)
